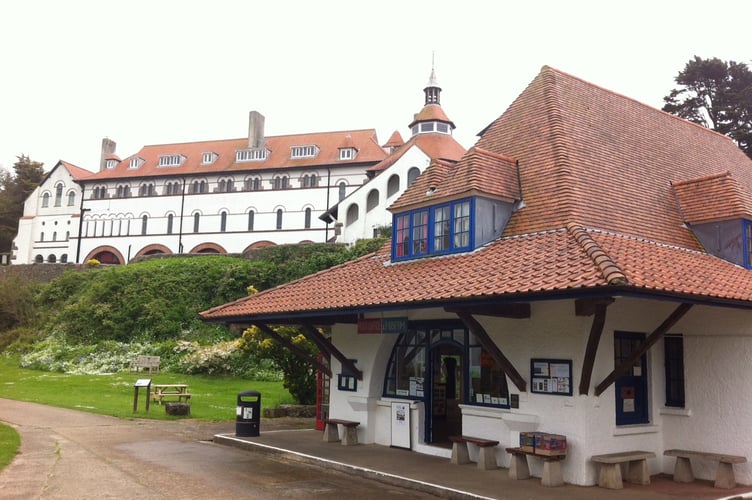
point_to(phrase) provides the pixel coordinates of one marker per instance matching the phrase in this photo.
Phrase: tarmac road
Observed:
(67, 454)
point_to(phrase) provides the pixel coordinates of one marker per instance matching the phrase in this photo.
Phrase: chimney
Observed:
(255, 130)
(108, 148)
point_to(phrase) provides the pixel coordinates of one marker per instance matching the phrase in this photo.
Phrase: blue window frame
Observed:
(445, 228)
(747, 227)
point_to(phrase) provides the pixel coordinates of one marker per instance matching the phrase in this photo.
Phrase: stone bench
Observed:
(610, 473)
(350, 434)
(724, 478)
(486, 451)
(518, 467)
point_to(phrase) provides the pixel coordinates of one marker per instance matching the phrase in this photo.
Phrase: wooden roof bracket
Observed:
(488, 344)
(325, 346)
(597, 309)
(654, 337)
(293, 348)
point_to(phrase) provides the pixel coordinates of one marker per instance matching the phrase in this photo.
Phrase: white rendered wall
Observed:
(718, 346)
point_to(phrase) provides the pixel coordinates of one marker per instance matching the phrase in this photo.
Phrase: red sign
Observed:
(369, 325)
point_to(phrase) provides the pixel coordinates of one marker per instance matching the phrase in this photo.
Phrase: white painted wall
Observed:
(718, 347)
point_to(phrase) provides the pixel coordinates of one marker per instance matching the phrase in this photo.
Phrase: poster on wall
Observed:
(551, 376)
(400, 425)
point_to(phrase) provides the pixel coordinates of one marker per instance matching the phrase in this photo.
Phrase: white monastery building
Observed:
(229, 196)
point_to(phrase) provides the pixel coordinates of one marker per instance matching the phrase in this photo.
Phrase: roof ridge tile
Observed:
(611, 272)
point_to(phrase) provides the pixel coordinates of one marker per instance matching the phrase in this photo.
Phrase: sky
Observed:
(146, 72)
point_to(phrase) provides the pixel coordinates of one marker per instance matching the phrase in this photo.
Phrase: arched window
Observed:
(58, 195)
(203, 187)
(67, 235)
(308, 218)
(196, 220)
(392, 186)
(342, 190)
(352, 214)
(223, 221)
(45, 200)
(144, 223)
(38, 259)
(64, 258)
(41, 236)
(51, 258)
(54, 236)
(314, 181)
(279, 218)
(373, 200)
(251, 216)
(170, 219)
(253, 184)
(71, 201)
(412, 174)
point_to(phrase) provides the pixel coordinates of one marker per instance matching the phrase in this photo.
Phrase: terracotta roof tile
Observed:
(328, 143)
(431, 112)
(712, 198)
(395, 140)
(435, 146)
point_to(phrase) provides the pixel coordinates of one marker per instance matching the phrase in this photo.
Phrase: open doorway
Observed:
(446, 392)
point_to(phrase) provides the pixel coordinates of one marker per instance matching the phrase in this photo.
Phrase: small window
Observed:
(170, 220)
(251, 155)
(144, 224)
(392, 186)
(308, 218)
(281, 182)
(135, 162)
(196, 220)
(674, 364)
(304, 151)
(170, 160)
(342, 187)
(64, 258)
(38, 259)
(347, 153)
(443, 128)
(223, 222)
(253, 184)
(58, 195)
(110, 164)
(412, 174)
(352, 214)
(251, 217)
(373, 200)
(71, 198)
(279, 218)
(426, 127)
(45, 200)
(208, 158)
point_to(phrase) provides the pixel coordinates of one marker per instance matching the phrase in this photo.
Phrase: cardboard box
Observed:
(550, 444)
(527, 441)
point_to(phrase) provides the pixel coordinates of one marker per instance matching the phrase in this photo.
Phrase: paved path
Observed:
(67, 454)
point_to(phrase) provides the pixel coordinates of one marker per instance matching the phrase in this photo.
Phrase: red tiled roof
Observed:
(568, 259)
(395, 140)
(712, 198)
(364, 141)
(431, 112)
(479, 172)
(434, 145)
(597, 172)
(77, 173)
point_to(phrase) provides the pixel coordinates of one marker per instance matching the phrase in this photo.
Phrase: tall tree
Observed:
(14, 189)
(716, 94)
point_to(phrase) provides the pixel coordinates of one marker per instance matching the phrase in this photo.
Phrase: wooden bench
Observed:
(486, 451)
(178, 391)
(331, 431)
(143, 362)
(518, 467)
(724, 478)
(610, 473)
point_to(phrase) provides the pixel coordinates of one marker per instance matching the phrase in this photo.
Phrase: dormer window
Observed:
(304, 151)
(442, 229)
(347, 153)
(251, 154)
(207, 158)
(110, 164)
(135, 162)
(171, 160)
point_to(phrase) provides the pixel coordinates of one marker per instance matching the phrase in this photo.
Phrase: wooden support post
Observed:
(293, 348)
(327, 347)
(596, 330)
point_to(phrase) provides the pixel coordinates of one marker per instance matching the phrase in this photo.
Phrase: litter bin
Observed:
(248, 414)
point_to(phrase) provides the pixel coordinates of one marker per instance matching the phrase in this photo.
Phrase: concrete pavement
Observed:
(68, 454)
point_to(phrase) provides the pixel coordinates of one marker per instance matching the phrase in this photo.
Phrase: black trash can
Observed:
(248, 414)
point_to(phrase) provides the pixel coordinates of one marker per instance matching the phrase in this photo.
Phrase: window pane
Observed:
(462, 225)
(488, 384)
(420, 232)
(441, 229)
(402, 236)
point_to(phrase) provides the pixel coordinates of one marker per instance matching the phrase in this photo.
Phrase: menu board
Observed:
(551, 376)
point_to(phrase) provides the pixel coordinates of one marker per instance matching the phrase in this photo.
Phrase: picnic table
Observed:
(177, 391)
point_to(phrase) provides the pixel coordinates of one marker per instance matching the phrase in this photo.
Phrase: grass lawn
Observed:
(9, 443)
(213, 398)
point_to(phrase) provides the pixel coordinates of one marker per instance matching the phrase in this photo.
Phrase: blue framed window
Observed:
(747, 227)
(442, 229)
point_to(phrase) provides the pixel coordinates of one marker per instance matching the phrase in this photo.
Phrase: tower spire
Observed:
(432, 90)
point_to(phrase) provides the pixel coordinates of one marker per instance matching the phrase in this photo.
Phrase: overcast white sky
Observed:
(161, 71)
